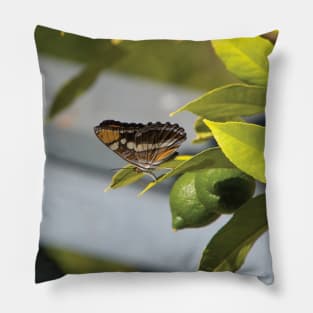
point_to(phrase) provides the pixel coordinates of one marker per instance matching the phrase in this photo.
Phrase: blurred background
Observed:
(86, 81)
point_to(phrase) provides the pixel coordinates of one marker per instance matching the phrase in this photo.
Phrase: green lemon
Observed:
(223, 190)
(186, 208)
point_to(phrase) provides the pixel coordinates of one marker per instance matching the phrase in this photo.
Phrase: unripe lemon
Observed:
(186, 208)
(223, 190)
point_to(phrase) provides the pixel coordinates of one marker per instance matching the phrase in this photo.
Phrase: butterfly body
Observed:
(145, 146)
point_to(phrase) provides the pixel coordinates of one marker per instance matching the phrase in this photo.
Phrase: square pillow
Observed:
(154, 155)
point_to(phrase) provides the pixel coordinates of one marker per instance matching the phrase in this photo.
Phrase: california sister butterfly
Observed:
(145, 146)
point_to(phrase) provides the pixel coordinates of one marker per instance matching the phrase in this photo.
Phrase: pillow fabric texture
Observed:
(154, 155)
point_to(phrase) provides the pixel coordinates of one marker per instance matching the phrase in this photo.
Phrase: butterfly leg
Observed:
(151, 174)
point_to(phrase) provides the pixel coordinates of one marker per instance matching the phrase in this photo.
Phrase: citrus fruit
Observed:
(186, 208)
(223, 190)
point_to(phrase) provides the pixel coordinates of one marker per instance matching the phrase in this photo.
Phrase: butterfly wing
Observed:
(157, 142)
(144, 146)
(119, 137)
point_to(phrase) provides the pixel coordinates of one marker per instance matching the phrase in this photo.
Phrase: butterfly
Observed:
(145, 146)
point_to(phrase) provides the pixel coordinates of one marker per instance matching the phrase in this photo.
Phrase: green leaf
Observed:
(72, 262)
(128, 174)
(203, 133)
(202, 137)
(73, 88)
(209, 158)
(125, 176)
(227, 101)
(245, 57)
(229, 247)
(151, 59)
(243, 145)
(58, 44)
(161, 60)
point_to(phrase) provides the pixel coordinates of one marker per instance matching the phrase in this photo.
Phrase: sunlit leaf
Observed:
(245, 57)
(243, 145)
(227, 101)
(202, 137)
(203, 133)
(229, 247)
(125, 176)
(209, 158)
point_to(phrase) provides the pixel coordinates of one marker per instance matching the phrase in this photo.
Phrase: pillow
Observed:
(154, 155)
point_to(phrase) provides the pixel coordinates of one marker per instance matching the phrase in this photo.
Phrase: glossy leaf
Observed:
(209, 158)
(203, 133)
(229, 247)
(243, 145)
(245, 57)
(227, 101)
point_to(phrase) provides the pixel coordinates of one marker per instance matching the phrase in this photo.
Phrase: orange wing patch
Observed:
(163, 155)
(108, 136)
